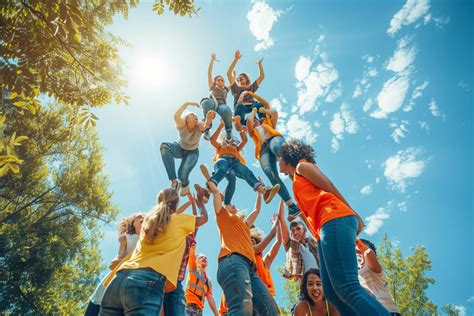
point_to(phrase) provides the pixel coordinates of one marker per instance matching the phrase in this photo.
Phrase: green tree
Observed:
(450, 310)
(407, 278)
(49, 215)
(292, 293)
(61, 48)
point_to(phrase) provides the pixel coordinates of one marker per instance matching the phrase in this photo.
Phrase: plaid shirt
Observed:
(184, 263)
(294, 264)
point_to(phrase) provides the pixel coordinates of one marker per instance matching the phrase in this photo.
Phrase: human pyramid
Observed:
(156, 248)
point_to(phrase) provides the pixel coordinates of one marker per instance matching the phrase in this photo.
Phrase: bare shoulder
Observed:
(301, 309)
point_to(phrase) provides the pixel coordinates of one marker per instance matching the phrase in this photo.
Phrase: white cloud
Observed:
(366, 190)
(464, 85)
(471, 299)
(403, 57)
(441, 22)
(277, 104)
(342, 122)
(364, 84)
(261, 20)
(434, 108)
(417, 93)
(402, 167)
(357, 91)
(334, 94)
(367, 105)
(315, 80)
(300, 129)
(412, 11)
(375, 221)
(424, 125)
(399, 131)
(302, 68)
(462, 310)
(334, 145)
(377, 180)
(337, 125)
(402, 206)
(391, 97)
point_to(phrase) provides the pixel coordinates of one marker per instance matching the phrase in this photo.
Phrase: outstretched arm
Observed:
(258, 248)
(210, 81)
(207, 122)
(259, 98)
(253, 216)
(230, 71)
(215, 135)
(202, 218)
(285, 235)
(216, 196)
(316, 177)
(261, 73)
(270, 256)
(179, 112)
(244, 141)
(212, 304)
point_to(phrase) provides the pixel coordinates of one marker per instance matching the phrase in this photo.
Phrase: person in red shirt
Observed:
(335, 224)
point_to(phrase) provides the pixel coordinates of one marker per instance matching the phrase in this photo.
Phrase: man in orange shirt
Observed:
(198, 286)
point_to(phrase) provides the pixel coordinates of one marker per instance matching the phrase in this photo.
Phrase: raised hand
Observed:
(193, 104)
(211, 115)
(237, 54)
(260, 61)
(214, 57)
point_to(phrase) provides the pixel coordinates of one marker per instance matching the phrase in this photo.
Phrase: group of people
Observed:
(339, 274)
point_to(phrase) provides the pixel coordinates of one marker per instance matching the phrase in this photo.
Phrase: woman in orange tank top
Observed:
(335, 224)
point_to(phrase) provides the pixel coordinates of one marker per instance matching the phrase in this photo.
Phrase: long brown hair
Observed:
(157, 219)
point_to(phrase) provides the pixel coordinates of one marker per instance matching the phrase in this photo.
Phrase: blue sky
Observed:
(383, 91)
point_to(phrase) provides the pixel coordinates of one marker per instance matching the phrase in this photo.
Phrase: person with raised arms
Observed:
(245, 292)
(138, 284)
(186, 148)
(217, 100)
(244, 105)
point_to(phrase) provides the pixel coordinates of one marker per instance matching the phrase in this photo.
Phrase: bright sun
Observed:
(148, 71)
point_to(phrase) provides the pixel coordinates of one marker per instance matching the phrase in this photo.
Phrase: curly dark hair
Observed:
(303, 288)
(294, 150)
(369, 244)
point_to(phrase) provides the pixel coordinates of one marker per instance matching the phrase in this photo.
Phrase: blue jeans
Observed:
(174, 303)
(268, 162)
(244, 291)
(230, 188)
(222, 109)
(134, 292)
(226, 164)
(243, 109)
(338, 263)
(189, 158)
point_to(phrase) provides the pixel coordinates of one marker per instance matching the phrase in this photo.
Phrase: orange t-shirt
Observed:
(192, 294)
(234, 234)
(264, 274)
(318, 205)
(228, 150)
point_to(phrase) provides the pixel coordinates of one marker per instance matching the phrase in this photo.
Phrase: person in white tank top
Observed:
(129, 233)
(371, 276)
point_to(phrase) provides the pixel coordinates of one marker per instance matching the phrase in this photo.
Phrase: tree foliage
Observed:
(49, 213)
(407, 278)
(61, 48)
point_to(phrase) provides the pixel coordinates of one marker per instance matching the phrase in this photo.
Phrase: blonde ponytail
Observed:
(158, 218)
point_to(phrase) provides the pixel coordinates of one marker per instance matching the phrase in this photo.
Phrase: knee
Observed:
(164, 147)
(207, 104)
